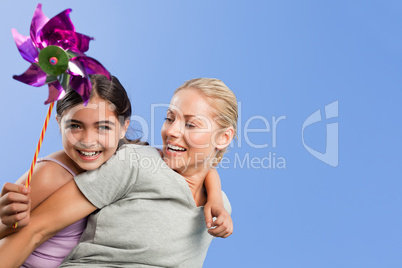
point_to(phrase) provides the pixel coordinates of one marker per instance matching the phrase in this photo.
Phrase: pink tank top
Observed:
(53, 251)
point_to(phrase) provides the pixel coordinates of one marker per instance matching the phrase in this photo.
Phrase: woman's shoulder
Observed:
(140, 149)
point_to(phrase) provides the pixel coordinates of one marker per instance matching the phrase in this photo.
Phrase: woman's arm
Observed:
(215, 208)
(212, 184)
(66, 206)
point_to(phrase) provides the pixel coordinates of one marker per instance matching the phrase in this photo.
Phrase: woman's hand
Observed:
(218, 220)
(15, 205)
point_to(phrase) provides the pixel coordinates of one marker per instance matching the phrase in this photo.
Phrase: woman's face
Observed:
(91, 133)
(189, 133)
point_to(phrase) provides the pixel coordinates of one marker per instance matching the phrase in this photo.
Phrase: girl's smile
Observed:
(91, 133)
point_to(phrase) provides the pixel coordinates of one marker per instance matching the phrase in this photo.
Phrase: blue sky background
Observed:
(281, 58)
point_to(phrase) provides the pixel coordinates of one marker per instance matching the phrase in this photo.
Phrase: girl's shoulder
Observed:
(53, 169)
(60, 160)
(49, 176)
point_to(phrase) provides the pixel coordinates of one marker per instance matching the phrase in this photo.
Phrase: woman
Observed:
(151, 212)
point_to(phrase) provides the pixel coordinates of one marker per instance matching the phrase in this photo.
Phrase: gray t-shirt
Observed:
(147, 216)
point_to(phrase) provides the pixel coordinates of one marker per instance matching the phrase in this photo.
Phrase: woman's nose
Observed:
(175, 130)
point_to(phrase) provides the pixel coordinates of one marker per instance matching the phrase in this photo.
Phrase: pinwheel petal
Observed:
(56, 92)
(70, 40)
(82, 86)
(76, 68)
(38, 21)
(61, 21)
(56, 52)
(34, 76)
(93, 66)
(25, 46)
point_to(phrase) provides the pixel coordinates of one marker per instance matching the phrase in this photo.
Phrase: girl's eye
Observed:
(73, 126)
(104, 128)
(168, 120)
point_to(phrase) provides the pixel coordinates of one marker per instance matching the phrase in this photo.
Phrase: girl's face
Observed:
(190, 134)
(91, 133)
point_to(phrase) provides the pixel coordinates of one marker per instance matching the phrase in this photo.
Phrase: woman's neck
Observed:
(195, 181)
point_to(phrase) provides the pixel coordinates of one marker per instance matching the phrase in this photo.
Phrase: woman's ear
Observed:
(124, 128)
(225, 138)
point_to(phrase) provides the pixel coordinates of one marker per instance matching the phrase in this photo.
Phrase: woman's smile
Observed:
(189, 132)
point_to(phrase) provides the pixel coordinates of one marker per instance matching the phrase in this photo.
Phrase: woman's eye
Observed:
(189, 124)
(168, 120)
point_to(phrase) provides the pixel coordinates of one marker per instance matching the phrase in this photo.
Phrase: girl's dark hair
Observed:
(110, 90)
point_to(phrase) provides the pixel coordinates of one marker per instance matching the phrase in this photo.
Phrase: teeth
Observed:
(89, 153)
(177, 148)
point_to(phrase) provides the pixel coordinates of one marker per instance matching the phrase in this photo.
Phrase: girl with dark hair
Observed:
(91, 135)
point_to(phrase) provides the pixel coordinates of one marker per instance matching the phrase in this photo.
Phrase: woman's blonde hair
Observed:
(223, 101)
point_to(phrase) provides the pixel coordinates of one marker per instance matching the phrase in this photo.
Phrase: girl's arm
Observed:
(66, 206)
(15, 203)
(215, 208)
(14, 207)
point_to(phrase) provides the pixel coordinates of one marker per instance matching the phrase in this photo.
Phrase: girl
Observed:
(90, 136)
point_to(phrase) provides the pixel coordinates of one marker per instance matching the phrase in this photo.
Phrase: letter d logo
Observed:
(330, 156)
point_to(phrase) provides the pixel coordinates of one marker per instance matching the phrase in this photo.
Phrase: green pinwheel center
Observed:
(53, 60)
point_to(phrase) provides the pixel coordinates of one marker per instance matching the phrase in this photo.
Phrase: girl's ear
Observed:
(124, 128)
(57, 119)
(225, 138)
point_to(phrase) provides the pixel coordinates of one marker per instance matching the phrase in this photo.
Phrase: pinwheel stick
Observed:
(42, 135)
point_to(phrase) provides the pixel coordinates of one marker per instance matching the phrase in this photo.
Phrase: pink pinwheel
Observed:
(56, 53)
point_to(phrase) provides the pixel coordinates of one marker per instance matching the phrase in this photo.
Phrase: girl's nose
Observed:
(88, 139)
